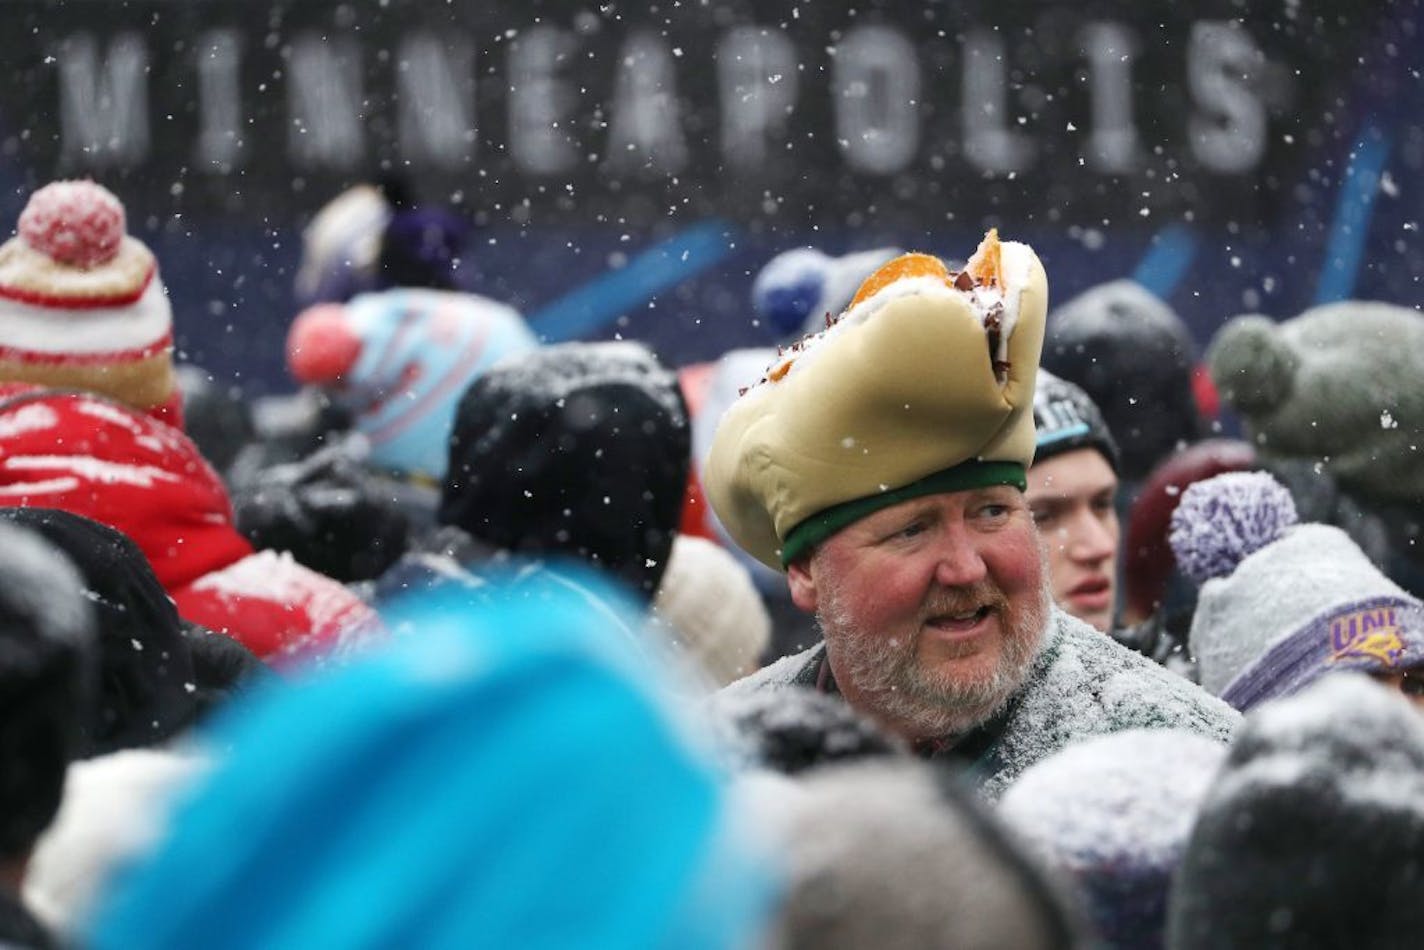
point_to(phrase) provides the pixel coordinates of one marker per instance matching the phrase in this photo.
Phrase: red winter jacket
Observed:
(91, 456)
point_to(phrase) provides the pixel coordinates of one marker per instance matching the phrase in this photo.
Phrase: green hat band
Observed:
(961, 477)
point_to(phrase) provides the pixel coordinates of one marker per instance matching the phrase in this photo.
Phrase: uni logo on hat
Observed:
(1366, 633)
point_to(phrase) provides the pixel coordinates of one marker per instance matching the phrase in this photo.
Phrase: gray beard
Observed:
(886, 672)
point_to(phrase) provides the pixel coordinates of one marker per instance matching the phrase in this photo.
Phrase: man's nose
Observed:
(1093, 538)
(959, 562)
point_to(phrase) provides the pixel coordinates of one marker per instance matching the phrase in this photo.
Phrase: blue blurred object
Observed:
(408, 354)
(797, 289)
(507, 777)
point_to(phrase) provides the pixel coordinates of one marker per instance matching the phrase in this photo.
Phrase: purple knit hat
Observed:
(1283, 603)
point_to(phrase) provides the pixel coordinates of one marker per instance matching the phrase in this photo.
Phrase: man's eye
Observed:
(994, 511)
(912, 529)
(1413, 685)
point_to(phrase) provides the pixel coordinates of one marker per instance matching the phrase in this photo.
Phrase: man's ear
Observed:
(800, 579)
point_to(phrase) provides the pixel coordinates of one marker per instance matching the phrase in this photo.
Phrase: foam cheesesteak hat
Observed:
(923, 385)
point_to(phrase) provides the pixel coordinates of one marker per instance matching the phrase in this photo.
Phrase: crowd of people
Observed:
(951, 621)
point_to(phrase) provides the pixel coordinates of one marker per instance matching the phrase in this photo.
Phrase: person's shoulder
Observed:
(1130, 690)
(798, 669)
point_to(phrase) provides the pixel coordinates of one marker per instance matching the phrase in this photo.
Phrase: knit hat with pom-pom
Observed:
(1336, 387)
(1283, 603)
(81, 304)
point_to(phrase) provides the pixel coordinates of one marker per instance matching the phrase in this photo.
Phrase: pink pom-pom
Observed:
(78, 223)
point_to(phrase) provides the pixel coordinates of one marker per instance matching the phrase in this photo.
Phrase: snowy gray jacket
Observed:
(1081, 684)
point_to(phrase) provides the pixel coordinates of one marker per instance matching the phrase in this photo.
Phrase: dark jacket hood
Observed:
(581, 449)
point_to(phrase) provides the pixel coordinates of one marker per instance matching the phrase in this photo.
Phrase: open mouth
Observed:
(1093, 594)
(960, 621)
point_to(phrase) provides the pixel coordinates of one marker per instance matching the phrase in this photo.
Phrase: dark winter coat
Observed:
(19, 930)
(150, 687)
(576, 449)
(328, 511)
(1081, 684)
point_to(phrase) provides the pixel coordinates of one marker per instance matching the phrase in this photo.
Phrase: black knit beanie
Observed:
(1312, 835)
(579, 449)
(1134, 358)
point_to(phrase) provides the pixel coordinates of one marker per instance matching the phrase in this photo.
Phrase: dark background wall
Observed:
(629, 167)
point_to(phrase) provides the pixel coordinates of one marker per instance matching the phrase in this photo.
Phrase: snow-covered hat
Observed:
(708, 599)
(81, 303)
(1113, 813)
(1311, 834)
(1338, 386)
(898, 854)
(1282, 603)
(924, 385)
(341, 246)
(399, 361)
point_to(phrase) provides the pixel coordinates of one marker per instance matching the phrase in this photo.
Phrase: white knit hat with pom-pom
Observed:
(81, 303)
(1283, 603)
(708, 599)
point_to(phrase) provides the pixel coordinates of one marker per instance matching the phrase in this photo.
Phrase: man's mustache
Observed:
(964, 600)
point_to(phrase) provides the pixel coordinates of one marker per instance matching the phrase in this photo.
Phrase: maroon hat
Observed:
(1148, 561)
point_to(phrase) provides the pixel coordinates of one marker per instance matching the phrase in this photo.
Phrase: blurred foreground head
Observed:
(147, 684)
(897, 855)
(1112, 814)
(507, 777)
(1312, 835)
(47, 673)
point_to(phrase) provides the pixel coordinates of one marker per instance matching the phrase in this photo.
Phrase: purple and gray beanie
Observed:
(1282, 603)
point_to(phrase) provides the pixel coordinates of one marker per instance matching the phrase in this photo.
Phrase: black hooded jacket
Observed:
(579, 449)
(150, 687)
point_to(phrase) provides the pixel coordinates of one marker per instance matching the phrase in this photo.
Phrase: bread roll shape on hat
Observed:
(924, 385)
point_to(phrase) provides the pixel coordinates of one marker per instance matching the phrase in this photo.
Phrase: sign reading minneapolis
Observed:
(804, 113)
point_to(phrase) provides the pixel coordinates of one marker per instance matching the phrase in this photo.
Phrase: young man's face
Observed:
(932, 609)
(1071, 498)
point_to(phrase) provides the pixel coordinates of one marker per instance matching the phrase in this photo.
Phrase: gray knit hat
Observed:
(1340, 386)
(1282, 603)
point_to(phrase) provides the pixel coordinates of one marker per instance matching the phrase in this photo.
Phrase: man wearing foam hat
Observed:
(881, 464)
